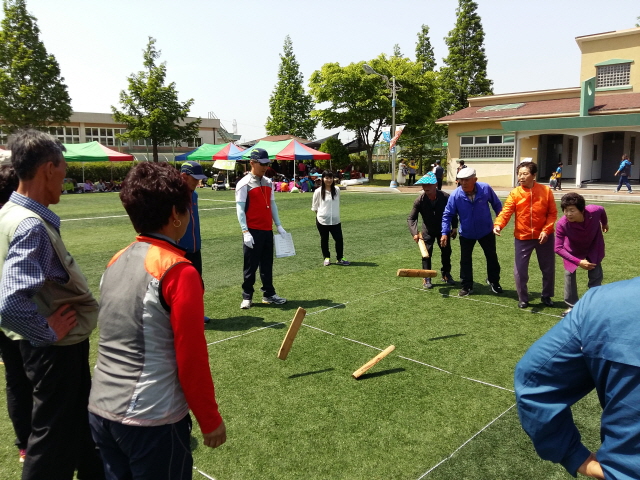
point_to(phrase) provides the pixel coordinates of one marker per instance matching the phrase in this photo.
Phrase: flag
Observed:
(396, 136)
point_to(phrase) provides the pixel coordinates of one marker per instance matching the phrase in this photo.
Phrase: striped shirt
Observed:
(31, 260)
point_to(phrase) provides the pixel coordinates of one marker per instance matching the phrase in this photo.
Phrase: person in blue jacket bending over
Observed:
(594, 347)
(470, 202)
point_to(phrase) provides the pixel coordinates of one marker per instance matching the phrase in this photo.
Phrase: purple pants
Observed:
(546, 261)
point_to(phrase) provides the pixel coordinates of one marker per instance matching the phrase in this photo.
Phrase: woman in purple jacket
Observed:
(579, 241)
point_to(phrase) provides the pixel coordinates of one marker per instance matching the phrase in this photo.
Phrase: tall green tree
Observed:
(290, 106)
(339, 154)
(361, 102)
(464, 73)
(32, 92)
(396, 50)
(424, 50)
(151, 110)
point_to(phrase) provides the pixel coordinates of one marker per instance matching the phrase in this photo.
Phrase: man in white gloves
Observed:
(256, 208)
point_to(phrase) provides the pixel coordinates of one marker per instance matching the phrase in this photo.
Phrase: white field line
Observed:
(247, 333)
(203, 474)
(492, 303)
(120, 216)
(212, 200)
(461, 446)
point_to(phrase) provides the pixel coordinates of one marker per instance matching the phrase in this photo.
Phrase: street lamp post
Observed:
(394, 87)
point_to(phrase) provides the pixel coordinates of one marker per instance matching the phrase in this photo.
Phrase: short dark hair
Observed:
(149, 193)
(8, 182)
(531, 166)
(32, 148)
(572, 199)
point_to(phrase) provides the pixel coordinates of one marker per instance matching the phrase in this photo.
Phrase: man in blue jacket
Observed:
(470, 202)
(594, 347)
(624, 170)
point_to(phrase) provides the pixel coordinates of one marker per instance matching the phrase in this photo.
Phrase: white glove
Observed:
(247, 238)
(281, 230)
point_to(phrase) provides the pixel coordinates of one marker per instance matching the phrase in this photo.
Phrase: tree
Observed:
(465, 71)
(361, 102)
(32, 92)
(289, 105)
(638, 24)
(396, 51)
(424, 50)
(338, 152)
(151, 110)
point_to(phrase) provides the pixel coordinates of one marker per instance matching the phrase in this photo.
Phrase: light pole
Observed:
(394, 88)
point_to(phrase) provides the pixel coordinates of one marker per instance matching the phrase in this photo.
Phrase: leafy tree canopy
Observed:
(338, 152)
(32, 92)
(465, 72)
(151, 110)
(424, 50)
(361, 102)
(290, 106)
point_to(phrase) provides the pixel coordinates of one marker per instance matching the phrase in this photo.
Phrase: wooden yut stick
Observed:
(410, 272)
(291, 333)
(424, 251)
(373, 361)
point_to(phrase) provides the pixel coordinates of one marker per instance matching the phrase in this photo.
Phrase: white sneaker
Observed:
(246, 304)
(274, 299)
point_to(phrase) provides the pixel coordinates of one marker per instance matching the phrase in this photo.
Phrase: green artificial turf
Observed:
(442, 399)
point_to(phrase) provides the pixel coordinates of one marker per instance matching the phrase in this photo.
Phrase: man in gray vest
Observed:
(46, 305)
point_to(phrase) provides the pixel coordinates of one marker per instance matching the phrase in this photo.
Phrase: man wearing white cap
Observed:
(470, 202)
(430, 204)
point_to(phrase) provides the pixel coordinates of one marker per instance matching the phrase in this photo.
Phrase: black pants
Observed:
(60, 440)
(196, 259)
(412, 179)
(336, 233)
(439, 184)
(260, 256)
(445, 253)
(19, 390)
(144, 453)
(488, 244)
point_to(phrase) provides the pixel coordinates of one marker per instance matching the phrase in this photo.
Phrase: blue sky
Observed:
(225, 55)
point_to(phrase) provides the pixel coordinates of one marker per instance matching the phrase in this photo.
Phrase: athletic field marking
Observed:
(461, 446)
(120, 216)
(203, 474)
(243, 334)
(491, 303)
(316, 328)
(212, 200)
(362, 343)
(346, 303)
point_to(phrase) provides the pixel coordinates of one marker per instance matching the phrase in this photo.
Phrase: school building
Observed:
(587, 128)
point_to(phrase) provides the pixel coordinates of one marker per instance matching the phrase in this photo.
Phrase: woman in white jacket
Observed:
(326, 204)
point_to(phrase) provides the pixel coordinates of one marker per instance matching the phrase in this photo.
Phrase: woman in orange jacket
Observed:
(536, 214)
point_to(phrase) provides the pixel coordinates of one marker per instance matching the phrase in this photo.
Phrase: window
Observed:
(105, 136)
(613, 75)
(64, 134)
(487, 146)
(632, 150)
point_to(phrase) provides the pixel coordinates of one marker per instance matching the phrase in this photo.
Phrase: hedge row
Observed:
(115, 171)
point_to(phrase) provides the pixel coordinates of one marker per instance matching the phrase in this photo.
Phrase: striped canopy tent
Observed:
(210, 152)
(93, 152)
(284, 150)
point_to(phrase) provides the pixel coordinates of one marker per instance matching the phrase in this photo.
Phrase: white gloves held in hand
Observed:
(281, 230)
(247, 238)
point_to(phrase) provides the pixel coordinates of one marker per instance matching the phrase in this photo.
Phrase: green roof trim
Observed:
(497, 108)
(613, 61)
(619, 87)
(573, 123)
(486, 131)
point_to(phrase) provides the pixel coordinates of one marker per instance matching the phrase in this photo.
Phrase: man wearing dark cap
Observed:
(470, 202)
(191, 173)
(430, 204)
(257, 210)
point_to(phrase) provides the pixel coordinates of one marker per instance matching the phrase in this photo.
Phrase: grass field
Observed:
(441, 406)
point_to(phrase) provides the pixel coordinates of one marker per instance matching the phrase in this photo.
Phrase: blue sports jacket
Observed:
(593, 347)
(191, 241)
(475, 218)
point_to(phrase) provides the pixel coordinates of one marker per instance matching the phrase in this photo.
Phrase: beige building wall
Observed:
(495, 171)
(624, 44)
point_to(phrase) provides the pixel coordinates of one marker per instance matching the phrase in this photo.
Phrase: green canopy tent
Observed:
(93, 152)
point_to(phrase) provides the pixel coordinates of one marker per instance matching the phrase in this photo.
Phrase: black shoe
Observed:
(495, 287)
(464, 291)
(523, 304)
(566, 312)
(206, 319)
(547, 301)
(448, 279)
